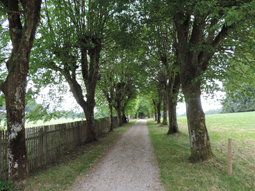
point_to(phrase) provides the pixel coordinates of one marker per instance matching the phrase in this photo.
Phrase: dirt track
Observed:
(130, 165)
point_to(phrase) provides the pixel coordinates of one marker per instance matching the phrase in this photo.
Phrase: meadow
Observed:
(172, 153)
(43, 123)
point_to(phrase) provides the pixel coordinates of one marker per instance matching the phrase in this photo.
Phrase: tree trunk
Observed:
(110, 118)
(124, 118)
(173, 125)
(15, 105)
(199, 138)
(87, 106)
(165, 108)
(90, 119)
(119, 117)
(172, 103)
(159, 114)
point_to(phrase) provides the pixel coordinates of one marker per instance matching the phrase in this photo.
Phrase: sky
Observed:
(208, 102)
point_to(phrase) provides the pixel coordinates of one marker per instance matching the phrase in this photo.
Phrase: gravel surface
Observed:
(130, 165)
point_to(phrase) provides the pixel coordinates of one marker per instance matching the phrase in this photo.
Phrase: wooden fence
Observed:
(47, 143)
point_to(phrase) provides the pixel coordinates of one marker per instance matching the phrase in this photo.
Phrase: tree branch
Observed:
(205, 56)
(15, 12)
(1, 85)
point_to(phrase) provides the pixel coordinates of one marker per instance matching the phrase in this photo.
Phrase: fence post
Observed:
(229, 156)
(40, 146)
(45, 149)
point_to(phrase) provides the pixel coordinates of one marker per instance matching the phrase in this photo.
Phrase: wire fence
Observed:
(235, 152)
(235, 157)
(46, 143)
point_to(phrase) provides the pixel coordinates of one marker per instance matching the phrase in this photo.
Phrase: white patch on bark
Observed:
(18, 102)
(10, 159)
(193, 139)
(205, 140)
(16, 165)
(14, 131)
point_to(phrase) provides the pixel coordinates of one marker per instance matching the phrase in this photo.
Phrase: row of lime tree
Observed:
(129, 55)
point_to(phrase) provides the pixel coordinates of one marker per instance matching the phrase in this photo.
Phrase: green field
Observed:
(172, 152)
(42, 123)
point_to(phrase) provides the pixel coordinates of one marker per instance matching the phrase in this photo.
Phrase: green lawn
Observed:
(172, 152)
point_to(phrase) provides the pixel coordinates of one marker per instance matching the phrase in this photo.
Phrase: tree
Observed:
(161, 40)
(117, 82)
(73, 35)
(201, 27)
(239, 83)
(23, 17)
(238, 104)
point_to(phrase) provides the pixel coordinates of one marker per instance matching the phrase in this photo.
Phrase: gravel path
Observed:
(130, 165)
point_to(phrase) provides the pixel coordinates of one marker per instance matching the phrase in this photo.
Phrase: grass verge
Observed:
(62, 174)
(172, 152)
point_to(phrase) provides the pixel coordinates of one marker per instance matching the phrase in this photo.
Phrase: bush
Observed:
(6, 186)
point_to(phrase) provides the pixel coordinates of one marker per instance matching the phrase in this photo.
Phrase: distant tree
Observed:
(160, 38)
(213, 111)
(238, 103)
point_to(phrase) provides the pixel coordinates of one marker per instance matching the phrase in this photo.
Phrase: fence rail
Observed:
(47, 143)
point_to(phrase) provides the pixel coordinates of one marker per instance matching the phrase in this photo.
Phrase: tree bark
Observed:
(155, 110)
(110, 118)
(119, 116)
(124, 118)
(90, 119)
(14, 87)
(172, 103)
(120, 94)
(159, 114)
(15, 105)
(164, 122)
(199, 138)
